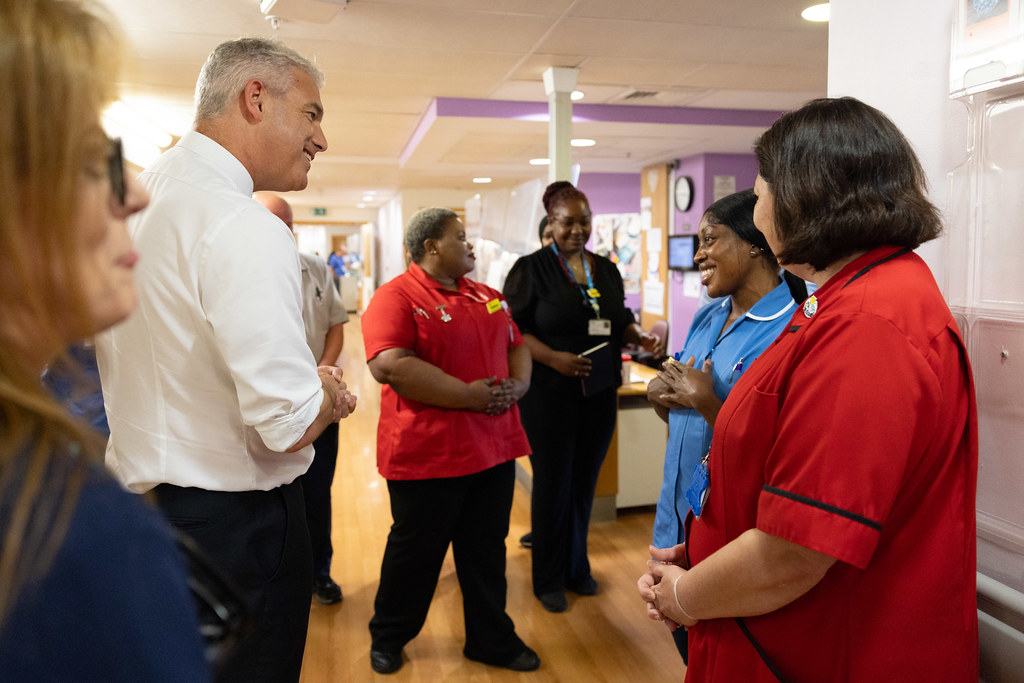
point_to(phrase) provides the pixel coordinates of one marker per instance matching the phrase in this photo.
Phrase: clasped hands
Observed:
(658, 587)
(493, 396)
(681, 385)
(344, 401)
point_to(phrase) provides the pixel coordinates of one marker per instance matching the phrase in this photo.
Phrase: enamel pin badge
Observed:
(810, 306)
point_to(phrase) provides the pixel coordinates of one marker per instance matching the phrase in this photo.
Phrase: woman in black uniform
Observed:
(567, 300)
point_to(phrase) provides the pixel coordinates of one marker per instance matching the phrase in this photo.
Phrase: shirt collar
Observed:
(220, 158)
(772, 305)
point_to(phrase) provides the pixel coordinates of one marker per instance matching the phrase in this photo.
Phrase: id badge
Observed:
(599, 327)
(697, 494)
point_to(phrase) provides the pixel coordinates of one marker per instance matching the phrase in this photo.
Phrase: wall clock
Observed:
(683, 193)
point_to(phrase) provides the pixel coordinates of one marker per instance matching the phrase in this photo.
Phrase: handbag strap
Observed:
(760, 650)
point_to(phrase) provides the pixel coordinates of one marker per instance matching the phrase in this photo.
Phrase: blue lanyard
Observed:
(587, 298)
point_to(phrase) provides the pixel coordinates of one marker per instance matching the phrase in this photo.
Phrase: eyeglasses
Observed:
(115, 168)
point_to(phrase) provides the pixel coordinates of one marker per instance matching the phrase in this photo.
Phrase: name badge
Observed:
(493, 306)
(697, 494)
(600, 327)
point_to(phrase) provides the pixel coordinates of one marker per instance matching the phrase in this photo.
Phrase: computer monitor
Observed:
(681, 249)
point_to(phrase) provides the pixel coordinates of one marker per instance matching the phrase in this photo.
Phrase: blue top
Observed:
(689, 435)
(337, 264)
(114, 604)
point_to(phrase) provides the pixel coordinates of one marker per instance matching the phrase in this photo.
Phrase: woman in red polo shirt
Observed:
(453, 365)
(836, 538)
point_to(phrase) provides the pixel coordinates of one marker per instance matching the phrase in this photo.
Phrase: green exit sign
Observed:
(319, 211)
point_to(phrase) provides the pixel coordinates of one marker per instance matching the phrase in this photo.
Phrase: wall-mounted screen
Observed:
(681, 249)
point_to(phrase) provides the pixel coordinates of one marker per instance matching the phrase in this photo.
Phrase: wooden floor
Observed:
(602, 638)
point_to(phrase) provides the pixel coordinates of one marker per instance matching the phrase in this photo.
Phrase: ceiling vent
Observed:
(635, 96)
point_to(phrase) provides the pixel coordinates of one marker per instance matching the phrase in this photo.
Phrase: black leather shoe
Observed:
(585, 587)
(527, 660)
(326, 591)
(385, 662)
(526, 540)
(554, 602)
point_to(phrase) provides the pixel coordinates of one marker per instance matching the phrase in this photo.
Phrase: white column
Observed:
(559, 82)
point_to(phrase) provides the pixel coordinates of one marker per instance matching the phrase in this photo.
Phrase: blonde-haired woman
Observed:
(91, 586)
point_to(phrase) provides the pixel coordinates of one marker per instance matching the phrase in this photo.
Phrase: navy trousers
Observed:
(316, 487)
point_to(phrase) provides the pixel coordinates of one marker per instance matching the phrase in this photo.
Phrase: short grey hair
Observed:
(426, 224)
(234, 63)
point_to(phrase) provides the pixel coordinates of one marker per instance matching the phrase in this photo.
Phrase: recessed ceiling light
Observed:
(582, 142)
(360, 206)
(576, 95)
(816, 12)
(540, 162)
(481, 180)
(369, 191)
(368, 198)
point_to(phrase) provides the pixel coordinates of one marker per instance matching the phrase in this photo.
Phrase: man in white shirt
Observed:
(324, 317)
(212, 395)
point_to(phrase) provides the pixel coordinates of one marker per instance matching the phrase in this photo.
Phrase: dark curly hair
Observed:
(843, 179)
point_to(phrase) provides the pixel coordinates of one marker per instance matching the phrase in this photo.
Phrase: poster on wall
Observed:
(617, 237)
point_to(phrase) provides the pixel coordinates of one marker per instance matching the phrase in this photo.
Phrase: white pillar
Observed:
(559, 82)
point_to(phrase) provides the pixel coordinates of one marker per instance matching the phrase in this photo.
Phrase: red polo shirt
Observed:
(854, 435)
(467, 334)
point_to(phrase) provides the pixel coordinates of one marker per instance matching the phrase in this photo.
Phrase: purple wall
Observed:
(702, 169)
(613, 193)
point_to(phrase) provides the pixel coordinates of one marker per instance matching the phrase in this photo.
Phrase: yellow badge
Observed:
(493, 305)
(593, 293)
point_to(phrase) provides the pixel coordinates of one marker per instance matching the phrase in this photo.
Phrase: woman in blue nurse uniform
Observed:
(753, 306)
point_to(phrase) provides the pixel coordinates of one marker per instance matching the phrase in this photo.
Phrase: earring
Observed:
(753, 252)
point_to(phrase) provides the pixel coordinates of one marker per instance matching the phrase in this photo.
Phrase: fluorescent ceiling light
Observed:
(582, 142)
(576, 95)
(368, 198)
(360, 206)
(816, 12)
(481, 180)
(540, 162)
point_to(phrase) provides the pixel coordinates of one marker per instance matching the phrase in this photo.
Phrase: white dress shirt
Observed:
(210, 379)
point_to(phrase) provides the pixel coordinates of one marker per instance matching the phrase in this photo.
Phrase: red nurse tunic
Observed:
(854, 435)
(468, 334)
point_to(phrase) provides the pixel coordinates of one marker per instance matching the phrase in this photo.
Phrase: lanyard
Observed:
(588, 298)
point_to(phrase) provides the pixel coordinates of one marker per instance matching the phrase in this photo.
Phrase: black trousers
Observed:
(259, 539)
(569, 436)
(471, 513)
(316, 487)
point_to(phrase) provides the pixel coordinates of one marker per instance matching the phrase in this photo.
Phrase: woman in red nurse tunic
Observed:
(836, 541)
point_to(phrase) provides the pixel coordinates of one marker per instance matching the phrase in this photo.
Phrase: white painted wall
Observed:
(894, 55)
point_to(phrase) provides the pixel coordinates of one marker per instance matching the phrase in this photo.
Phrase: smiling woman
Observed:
(726, 336)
